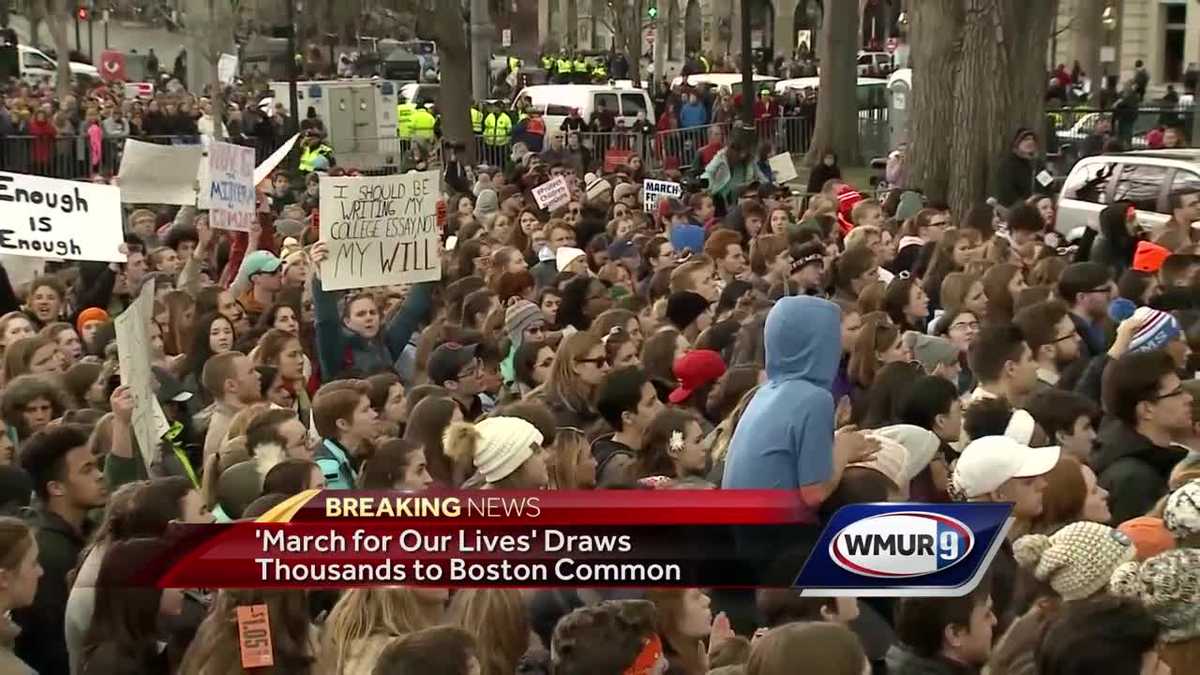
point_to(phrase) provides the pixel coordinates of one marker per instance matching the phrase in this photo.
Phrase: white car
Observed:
(1146, 177)
(874, 64)
(36, 65)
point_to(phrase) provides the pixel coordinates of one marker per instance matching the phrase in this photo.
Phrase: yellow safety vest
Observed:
(404, 113)
(581, 66)
(422, 124)
(599, 73)
(564, 66)
(308, 158)
(496, 129)
(704, 64)
(547, 63)
(514, 64)
(476, 120)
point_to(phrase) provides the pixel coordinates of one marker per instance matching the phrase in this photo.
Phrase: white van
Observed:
(36, 65)
(1146, 178)
(872, 91)
(555, 102)
(726, 84)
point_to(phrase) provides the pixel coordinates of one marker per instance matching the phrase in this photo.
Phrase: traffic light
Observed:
(652, 11)
(83, 14)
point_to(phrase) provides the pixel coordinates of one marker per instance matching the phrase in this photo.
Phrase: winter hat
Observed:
(597, 187)
(891, 460)
(88, 316)
(1149, 535)
(1149, 257)
(521, 315)
(624, 190)
(989, 462)
(910, 203)
(484, 182)
(930, 351)
(1155, 330)
(487, 203)
(690, 237)
(694, 370)
(683, 307)
(920, 443)
(847, 199)
(1078, 560)
(1169, 586)
(565, 255)
(1181, 515)
(497, 446)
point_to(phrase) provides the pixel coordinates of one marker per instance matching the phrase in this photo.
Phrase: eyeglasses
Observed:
(970, 325)
(938, 223)
(599, 361)
(1068, 336)
(1171, 394)
(1102, 289)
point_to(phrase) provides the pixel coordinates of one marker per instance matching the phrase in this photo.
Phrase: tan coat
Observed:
(9, 663)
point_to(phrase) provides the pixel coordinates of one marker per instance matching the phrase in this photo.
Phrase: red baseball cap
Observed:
(694, 370)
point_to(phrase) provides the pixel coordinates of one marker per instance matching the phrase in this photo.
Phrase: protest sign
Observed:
(552, 194)
(230, 188)
(783, 168)
(263, 170)
(381, 230)
(159, 174)
(133, 346)
(22, 270)
(653, 190)
(227, 68)
(51, 218)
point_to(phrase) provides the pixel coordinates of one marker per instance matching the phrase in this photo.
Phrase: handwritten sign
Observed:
(51, 218)
(552, 194)
(783, 168)
(231, 186)
(159, 174)
(133, 345)
(381, 230)
(227, 67)
(653, 190)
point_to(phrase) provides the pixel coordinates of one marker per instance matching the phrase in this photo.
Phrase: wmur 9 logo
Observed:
(905, 549)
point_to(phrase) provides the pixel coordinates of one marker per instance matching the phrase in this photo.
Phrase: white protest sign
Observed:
(552, 194)
(52, 218)
(381, 230)
(22, 270)
(227, 68)
(230, 188)
(159, 174)
(263, 170)
(133, 346)
(783, 168)
(653, 190)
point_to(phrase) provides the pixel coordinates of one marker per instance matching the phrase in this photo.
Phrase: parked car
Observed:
(1147, 178)
(875, 64)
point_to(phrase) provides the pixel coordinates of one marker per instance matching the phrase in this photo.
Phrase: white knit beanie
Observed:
(1078, 560)
(497, 446)
(1182, 511)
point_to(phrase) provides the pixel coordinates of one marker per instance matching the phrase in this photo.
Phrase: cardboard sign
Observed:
(381, 230)
(139, 90)
(263, 170)
(133, 344)
(66, 219)
(230, 187)
(783, 167)
(552, 194)
(653, 190)
(227, 67)
(159, 174)
(254, 636)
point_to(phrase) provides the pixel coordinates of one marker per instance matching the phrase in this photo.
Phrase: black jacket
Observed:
(1132, 469)
(43, 643)
(1015, 179)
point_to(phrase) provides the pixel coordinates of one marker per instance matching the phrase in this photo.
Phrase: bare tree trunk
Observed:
(56, 20)
(454, 102)
(837, 104)
(1087, 36)
(957, 122)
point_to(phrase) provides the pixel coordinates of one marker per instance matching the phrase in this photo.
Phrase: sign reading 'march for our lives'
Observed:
(381, 230)
(61, 219)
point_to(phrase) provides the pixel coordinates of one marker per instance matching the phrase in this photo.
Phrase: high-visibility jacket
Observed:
(547, 62)
(564, 66)
(404, 113)
(308, 158)
(514, 64)
(581, 66)
(599, 73)
(476, 120)
(422, 122)
(704, 64)
(497, 128)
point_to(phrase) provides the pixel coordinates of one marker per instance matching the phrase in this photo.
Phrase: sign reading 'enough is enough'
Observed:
(381, 230)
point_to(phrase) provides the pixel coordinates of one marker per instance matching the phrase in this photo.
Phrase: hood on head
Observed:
(803, 337)
(1112, 221)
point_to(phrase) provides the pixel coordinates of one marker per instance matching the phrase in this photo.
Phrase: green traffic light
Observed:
(653, 12)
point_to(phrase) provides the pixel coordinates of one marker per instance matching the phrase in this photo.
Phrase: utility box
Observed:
(899, 95)
(359, 117)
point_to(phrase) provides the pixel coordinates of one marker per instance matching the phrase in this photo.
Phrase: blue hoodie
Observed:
(785, 438)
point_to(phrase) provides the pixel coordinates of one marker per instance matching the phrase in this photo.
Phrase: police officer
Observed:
(422, 123)
(562, 67)
(314, 152)
(497, 129)
(599, 73)
(582, 71)
(547, 62)
(476, 120)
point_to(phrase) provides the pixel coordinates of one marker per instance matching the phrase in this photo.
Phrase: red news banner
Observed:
(339, 539)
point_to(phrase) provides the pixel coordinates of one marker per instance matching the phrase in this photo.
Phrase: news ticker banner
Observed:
(624, 539)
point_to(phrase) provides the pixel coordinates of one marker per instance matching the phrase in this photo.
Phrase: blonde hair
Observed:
(500, 623)
(564, 457)
(563, 386)
(364, 612)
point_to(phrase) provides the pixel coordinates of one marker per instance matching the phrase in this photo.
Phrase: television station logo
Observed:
(893, 550)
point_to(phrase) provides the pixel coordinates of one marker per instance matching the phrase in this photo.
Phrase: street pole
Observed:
(293, 99)
(106, 29)
(747, 66)
(78, 44)
(480, 49)
(91, 39)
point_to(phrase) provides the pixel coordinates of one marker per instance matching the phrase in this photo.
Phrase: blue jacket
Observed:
(340, 349)
(334, 463)
(785, 438)
(693, 115)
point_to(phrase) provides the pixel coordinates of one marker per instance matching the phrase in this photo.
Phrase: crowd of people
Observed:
(850, 349)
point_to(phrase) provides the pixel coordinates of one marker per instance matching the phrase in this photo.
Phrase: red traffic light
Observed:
(82, 13)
